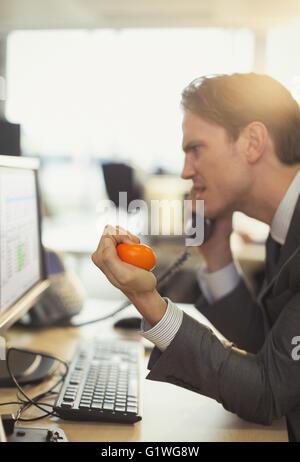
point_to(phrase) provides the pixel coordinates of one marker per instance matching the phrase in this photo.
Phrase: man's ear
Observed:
(255, 141)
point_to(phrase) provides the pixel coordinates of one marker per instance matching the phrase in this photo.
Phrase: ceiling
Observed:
(65, 14)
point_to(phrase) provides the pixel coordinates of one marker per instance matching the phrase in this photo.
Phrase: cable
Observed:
(26, 405)
(10, 402)
(173, 268)
(166, 275)
(92, 321)
(34, 401)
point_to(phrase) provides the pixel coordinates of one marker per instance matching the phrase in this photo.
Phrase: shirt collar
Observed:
(284, 213)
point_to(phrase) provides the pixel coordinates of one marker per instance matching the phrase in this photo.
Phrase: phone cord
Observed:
(166, 275)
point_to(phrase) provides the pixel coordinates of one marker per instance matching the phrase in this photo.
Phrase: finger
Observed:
(124, 232)
(110, 231)
(121, 274)
(102, 256)
(120, 235)
(128, 277)
(106, 257)
(112, 262)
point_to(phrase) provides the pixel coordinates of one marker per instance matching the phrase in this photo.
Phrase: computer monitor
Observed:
(23, 277)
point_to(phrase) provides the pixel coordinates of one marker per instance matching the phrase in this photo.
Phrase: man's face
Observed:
(215, 164)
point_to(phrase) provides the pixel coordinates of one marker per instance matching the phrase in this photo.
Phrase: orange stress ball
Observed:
(138, 255)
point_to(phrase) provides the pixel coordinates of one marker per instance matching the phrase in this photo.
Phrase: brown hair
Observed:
(234, 101)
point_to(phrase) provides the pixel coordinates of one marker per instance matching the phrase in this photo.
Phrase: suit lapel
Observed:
(291, 243)
(293, 236)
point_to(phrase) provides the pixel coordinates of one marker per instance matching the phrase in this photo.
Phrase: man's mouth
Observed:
(198, 191)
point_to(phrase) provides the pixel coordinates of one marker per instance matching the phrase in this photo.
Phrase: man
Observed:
(241, 138)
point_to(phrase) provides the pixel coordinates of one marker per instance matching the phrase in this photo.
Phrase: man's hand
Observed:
(136, 283)
(216, 251)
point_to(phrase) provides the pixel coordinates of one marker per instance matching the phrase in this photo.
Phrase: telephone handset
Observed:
(208, 226)
(207, 232)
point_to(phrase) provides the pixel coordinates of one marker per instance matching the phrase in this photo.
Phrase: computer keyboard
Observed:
(103, 382)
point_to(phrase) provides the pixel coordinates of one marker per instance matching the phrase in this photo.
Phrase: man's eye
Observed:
(196, 149)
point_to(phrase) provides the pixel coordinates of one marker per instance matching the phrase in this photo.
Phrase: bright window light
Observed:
(283, 57)
(109, 93)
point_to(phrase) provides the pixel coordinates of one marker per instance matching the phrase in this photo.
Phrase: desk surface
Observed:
(170, 413)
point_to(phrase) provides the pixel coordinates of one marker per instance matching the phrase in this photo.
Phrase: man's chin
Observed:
(211, 213)
(214, 214)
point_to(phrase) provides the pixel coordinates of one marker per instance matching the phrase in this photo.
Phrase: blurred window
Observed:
(282, 57)
(113, 93)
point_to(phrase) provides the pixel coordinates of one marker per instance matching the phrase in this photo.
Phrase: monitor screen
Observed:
(21, 256)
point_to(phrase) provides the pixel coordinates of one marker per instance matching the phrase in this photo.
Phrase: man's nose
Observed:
(188, 170)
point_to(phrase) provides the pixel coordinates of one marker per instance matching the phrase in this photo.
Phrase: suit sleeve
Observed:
(258, 387)
(237, 316)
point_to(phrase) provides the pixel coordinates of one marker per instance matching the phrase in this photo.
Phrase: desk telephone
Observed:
(62, 300)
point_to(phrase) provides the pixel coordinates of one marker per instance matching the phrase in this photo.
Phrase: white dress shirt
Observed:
(218, 284)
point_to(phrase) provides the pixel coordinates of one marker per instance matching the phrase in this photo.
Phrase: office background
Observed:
(92, 81)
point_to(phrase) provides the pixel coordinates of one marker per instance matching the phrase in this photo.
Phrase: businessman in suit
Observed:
(241, 138)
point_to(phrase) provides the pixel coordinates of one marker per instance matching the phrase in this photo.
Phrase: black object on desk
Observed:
(37, 435)
(131, 323)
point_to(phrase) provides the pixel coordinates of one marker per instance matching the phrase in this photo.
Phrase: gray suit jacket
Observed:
(256, 376)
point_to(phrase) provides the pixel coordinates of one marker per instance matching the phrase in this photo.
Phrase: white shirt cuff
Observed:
(219, 283)
(165, 330)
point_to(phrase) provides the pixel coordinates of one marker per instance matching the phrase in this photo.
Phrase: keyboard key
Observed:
(132, 409)
(100, 389)
(97, 391)
(71, 392)
(110, 392)
(96, 406)
(68, 399)
(108, 406)
(85, 399)
(84, 405)
(66, 404)
(120, 408)
(132, 387)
